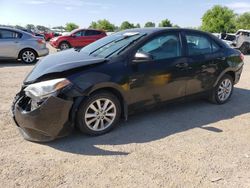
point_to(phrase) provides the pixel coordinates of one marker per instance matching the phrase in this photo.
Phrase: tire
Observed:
(93, 120)
(64, 46)
(223, 91)
(28, 56)
(245, 48)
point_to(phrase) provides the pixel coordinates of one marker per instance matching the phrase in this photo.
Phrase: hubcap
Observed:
(225, 90)
(28, 56)
(100, 114)
(64, 46)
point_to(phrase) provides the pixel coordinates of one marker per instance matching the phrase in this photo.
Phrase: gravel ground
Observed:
(194, 144)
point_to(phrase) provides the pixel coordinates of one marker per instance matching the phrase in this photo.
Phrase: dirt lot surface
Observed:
(195, 144)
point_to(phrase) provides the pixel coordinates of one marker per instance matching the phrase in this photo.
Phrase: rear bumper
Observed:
(46, 123)
(43, 52)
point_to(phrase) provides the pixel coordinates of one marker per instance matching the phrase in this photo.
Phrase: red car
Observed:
(77, 38)
(48, 35)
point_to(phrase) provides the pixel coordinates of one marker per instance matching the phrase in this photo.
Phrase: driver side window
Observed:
(80, 33)
(163, 47)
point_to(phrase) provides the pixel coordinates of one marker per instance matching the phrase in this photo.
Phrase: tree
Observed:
(71, 26)
(104, 25)
(138, 26)
(42, 28)
(219, 19)
(165, 23)
(93, 25)
(19, 27)
(176, 26)
(59, 27)
(149, 24)
(126, 25)
(243, 21)
(30, 27)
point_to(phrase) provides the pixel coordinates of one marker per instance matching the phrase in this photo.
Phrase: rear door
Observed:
(9, 43)
(204, 58)
(93, 35)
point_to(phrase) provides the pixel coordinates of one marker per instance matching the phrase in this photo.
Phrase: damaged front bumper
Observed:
(45, 123)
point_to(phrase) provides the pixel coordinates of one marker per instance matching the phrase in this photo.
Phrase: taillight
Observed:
(40, 41)
(242, 57)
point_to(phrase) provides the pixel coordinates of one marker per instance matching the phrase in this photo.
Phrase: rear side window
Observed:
(199, 45)
(7, 34)
(92, 33)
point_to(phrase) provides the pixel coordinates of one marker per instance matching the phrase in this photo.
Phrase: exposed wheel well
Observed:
(232, 74)
(117, 94)
(19, 55)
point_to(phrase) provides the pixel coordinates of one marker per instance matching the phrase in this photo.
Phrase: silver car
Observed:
(17, 44)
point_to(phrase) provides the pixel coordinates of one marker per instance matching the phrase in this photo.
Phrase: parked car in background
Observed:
(77, 38)
(48, 35)
(93, 87)
(17, 44)
(33, 33)
(240, 40)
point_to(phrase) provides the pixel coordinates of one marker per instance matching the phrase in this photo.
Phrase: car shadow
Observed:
(157, 124)
(14, 63)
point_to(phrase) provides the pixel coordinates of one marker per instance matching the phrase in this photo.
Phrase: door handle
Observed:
(182, 65)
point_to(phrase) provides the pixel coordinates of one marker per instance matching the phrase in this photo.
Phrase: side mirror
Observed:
(73, 35)
(142, 57)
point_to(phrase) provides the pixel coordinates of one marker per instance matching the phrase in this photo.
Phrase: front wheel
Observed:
(99, 113)
(64, 46)
(223, 90)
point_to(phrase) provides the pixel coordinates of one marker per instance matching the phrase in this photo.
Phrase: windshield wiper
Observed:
(119, 50)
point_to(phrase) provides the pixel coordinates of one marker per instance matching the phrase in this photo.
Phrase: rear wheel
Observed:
(28, 56)
(223, 90)
(64, 46)
(99, 113)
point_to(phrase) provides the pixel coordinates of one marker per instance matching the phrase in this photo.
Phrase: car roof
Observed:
(89, 29)
(11, 28)
(14, 29)
(150, 30)
(243, 30)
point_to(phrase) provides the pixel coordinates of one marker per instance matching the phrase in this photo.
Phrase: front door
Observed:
(163, 77)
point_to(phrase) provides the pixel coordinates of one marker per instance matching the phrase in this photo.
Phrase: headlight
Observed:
(42, 90)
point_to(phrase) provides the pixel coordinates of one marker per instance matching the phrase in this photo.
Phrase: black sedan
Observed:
(93, 87)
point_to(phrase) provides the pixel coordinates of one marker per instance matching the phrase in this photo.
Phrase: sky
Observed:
(50, 13)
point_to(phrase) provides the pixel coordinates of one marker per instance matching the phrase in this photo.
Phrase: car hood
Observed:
(61, 62)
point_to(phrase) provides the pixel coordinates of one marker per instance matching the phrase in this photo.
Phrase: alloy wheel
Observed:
(225, 90)
(64, 46)
(100, 114)
(28, 56)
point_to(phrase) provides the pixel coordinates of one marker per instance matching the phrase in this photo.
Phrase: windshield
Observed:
(112, 44)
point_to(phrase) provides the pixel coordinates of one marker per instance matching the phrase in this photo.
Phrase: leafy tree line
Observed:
(222, 19)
